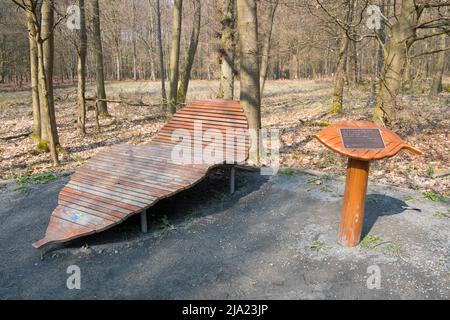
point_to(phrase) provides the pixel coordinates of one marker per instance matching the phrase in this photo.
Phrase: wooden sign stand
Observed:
(361, 142)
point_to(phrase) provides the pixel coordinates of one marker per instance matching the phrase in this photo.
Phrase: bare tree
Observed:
(190, 54)
(175, 54)
(436, 87)
(34, 78)
(249, 69)
(135, 75)
(338, 92)
(402, 35)
(341, 68)
(98, 47)
(47, 31)
(266, 45)
(81, 71)
(161, 53)
(227, 50)
(32, 7)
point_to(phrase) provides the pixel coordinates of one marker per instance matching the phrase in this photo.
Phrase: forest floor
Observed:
(297, 108)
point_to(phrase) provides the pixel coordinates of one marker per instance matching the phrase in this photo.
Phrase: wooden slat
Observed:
(100, 197)
(147, 173)
(218, 121)
(124, 179)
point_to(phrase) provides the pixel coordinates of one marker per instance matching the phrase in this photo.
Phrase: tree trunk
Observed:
(81, 71)
(34, 78)
(338, 93)
(100, 77)
(45, 103)
(152, 49)
(402, 36)
(175, 54)
(436, 87)
(135, 74)
(227, 50)
(352, 63)
(249, 70)
(48, 46)
(266, 45)
(118, 65)
(189, 61)
(161, 54)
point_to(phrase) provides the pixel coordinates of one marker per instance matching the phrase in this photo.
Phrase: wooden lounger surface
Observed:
(124, 180)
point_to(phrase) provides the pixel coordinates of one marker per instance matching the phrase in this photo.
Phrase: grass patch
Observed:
(429, 172)
(328, 160)
(318, 245)
(393, 249)
(324, 123)
(441, 214)
(37, 178)
(326, 189)
(165, 226)
(288, 172)
(407, 172)
(22, 189)
(370, 242)
(314, 181)
(433, 196)
(410, 198)
(78, 159)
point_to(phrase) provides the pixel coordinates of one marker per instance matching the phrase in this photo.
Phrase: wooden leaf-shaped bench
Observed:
(124, 180)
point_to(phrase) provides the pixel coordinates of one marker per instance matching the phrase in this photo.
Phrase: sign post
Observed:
(361, 142)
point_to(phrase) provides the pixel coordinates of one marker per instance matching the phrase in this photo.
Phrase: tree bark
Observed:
(34, 79)
(338, 93)
(249, 70)
(190, 55)
(402, 36)
(175, 54)
(98, 47)
(45, 104)
(135, 71)
(33, 14)
(227, 50)
(352, 66)
(161, 54)
(266, 45)
(436, 87)
(48, 54)
(81, 71)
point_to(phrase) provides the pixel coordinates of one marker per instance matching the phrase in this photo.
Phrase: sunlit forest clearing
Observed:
(224, 149)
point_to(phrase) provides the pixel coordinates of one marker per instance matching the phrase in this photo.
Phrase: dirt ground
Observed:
(269, 240)
(297, 108)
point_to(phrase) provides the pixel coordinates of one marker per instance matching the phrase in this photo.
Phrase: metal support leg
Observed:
(144, 221)
(232, 178)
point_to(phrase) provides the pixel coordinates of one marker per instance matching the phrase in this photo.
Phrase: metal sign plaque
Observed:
(359, 138)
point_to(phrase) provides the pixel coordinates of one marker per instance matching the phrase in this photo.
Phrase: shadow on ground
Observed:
(378, 205)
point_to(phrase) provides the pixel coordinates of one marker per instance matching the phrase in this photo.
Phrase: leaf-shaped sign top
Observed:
(363, 140)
